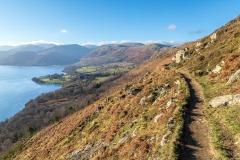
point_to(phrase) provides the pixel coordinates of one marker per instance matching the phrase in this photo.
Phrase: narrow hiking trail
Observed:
(196, 143)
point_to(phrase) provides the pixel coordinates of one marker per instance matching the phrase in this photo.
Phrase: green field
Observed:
(112, 68)
(61, 80)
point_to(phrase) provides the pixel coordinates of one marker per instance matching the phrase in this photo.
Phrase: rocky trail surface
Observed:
(196, 143)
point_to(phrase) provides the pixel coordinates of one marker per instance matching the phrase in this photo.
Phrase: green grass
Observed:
(229, 116)
(220, 117)
(216, 139)
(100, 79)
(211, 87)
(89, 69)
(61, 80)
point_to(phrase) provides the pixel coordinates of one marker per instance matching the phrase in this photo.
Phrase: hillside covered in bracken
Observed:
(86, 85)
(180, 104)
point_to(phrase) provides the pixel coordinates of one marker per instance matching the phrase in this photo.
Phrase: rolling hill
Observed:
(132, 53)
(33, 55)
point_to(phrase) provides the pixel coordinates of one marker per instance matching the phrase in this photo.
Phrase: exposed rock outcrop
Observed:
(213, 37)
(225, 100)
(143, 100)
(165, 138)
(85, 152)
(180, 55)
(156, 118)
(234, 77)
(217, 69)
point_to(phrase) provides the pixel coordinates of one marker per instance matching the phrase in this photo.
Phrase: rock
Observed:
(155, 119)
(213, 37)
(198, 44)
(134, 132)
(171, 122)
(169, 103)
(73, 154)
(177, 82)
(234, 77)
(87, 151)
(143, 100)
(180, 55)
(165, 138)
(217, 69)
(164, 89)
(122, 140)
(225, 100)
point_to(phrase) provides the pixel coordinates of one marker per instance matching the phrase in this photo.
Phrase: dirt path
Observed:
(196, 143)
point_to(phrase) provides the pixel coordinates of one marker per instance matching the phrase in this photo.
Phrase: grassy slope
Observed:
(224, 121)
(121, 115)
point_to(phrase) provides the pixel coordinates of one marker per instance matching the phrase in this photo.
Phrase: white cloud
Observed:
(172, 27)
(125, 41)
(31, 42)
(100, 43)
(152, 41)
(64, 31)
(174, 43)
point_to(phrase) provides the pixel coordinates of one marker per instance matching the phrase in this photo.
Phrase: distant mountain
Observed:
(35, 55)
(90, 46)
(5, 48)
(6, 51)
(132, 44)
(128, 52)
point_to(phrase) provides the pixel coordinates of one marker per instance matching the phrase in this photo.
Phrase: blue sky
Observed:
(106, 21)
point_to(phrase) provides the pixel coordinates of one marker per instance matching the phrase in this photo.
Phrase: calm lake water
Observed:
(17, 88)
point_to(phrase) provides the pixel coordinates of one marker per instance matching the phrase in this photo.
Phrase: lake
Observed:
(17, 88)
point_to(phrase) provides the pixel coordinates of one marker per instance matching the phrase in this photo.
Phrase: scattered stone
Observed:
(213, 37)
(169, 103)
(177, 82)
(165, 138)
(198, 44)
(152, 138)
(122, 140)
(143, 100)
(87, 151)
(171, 122)
(225, 100)
(217, 69)
(134, 132)
(234, 77)
(155, 119)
